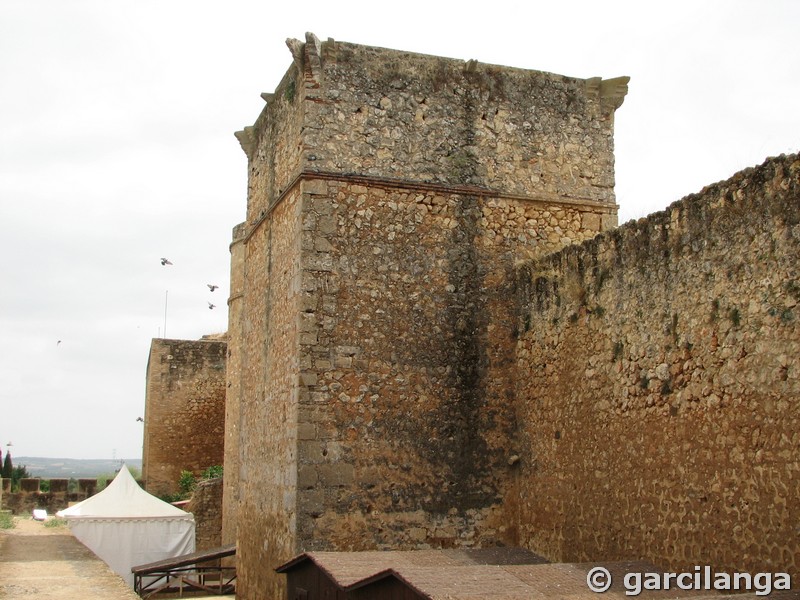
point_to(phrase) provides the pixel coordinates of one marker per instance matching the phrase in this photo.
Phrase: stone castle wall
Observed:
(267, 473)
(233, 365)
(262, 384)
(405, 422)
(390, 196)
(657, 385)
(184, 411)
(206, 507)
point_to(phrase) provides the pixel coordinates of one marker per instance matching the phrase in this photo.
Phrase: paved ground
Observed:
(48, 563)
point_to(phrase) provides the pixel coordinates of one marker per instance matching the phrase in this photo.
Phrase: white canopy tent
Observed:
(126, 527)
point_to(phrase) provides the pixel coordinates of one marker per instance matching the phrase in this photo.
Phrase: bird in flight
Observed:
(58, 343)
(211, 286)
(140, 419)
(211, 306)
(165, 261)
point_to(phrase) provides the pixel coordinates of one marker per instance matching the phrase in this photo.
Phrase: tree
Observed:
(8, 468)
(17, 475)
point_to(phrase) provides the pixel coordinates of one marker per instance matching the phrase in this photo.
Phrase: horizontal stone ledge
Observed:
(447, 188)
(426, 186)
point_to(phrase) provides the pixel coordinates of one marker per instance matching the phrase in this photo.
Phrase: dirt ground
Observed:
(48, 563)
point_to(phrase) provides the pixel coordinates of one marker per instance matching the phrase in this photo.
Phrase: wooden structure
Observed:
(196, 572)
(406, 575)
(469, 574)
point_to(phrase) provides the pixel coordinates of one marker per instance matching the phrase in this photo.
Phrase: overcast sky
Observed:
(117, 149)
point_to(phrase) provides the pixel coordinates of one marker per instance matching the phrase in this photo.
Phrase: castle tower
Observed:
(371, 396)
(184, 415)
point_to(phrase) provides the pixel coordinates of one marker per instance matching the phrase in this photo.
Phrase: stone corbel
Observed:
(247, 140)
(296, 48)
(329, 54)
(267, 97)
(307, 56)
(613, 92)
(610, 92)
(314, 55)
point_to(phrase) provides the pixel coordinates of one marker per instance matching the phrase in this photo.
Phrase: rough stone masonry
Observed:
(657, 385)
(373, 315)
(184, 417)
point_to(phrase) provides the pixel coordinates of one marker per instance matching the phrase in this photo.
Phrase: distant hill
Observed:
(69, 468)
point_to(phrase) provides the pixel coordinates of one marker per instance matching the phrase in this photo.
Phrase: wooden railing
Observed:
(185, 576)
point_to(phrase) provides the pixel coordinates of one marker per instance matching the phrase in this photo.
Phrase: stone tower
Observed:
(184, 410)
(370, 375)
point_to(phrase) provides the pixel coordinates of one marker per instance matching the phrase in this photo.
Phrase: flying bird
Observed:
(58, 343)
(211, 286)
(165, 261)
(140, 419)
(211, 306)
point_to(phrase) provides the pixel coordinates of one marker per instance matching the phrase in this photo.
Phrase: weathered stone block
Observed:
(306, 431)
(307, 476)
(337, 474)
(316, 187)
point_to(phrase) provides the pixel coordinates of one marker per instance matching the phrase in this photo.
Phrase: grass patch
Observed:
(6, 520)
(55, 522)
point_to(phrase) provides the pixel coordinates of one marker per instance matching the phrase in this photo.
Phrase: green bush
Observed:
(103, 480)
(176, 497)
(212, 472)
(187, 482)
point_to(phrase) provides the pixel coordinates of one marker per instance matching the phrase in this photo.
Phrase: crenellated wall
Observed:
(29, 496)
(657, 385)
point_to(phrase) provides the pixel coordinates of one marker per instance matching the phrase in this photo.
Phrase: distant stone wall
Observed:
(29, 496)
(390, 195)
(184, 411)
(657, 385)
(206, 506)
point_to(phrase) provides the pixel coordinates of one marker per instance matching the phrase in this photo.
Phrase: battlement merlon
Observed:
(344, 108)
